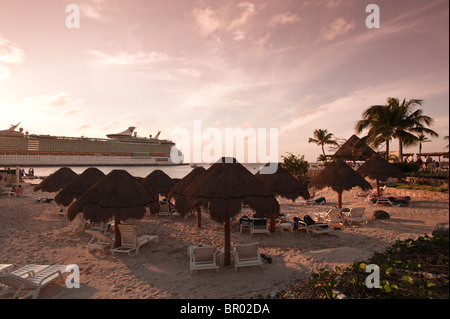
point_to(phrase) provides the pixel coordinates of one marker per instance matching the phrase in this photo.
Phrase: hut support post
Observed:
(227, 257)
(199, 217)
(117, 238)
(272, 224)
(339, 204)
(378, 188)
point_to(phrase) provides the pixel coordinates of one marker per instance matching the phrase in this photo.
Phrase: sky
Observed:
(164, 65)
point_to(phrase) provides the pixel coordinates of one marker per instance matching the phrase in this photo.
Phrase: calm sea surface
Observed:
(178, 171)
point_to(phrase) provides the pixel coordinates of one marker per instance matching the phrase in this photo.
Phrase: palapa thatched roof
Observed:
(380, 169)
(182, 185)
(158, 182)
(118, 195)
(56, 181)
(225, 187)
(282, 183)
(340, 177)
(78, 186)
(354, 149)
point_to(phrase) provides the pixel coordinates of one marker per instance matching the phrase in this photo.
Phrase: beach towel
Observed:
(244, 219)
(320, 199)
(308, 220)
(259, 222)
(400, 200)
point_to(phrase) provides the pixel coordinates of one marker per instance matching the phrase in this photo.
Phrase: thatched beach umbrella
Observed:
(158, 182)
(354, 149)
(117, 196)
(283, 184)
(78, 186)
(223, 189)
(379, 169)
(183, 185)
(340, 177)
(57, 180)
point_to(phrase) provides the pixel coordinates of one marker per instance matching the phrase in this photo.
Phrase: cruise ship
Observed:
(18, 148)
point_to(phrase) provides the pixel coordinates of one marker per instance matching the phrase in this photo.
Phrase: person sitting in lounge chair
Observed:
(400, 200)
(19, 191)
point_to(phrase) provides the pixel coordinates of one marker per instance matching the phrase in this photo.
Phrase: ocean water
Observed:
(175, 171)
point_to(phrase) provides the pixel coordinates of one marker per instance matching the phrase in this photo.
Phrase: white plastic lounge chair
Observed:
(244, 222)
(385, 200)
(316, 228)
(332, 216)
(130, 241)
(30, 286)
(286, 225)
(356, 214)
(283, 223)
(52, 208)
(102, 227)
(29, 270)
(6, 268)
(164, 210)
(202, 257)
(246, 255)
(99, 240)
(259, 226)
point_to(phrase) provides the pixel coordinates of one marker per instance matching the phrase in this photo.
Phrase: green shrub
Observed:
(408, 167)
(408, 269)
(420, 187)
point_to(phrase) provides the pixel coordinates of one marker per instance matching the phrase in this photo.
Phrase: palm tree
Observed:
(395, 120)
(421, 138)
(410, 121)
(322, 138)
(380, 121)
(446, 138)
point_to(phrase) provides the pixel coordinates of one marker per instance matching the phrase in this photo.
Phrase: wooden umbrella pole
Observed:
(117, 238)
(199, 217)
(378, 188)
(272, 224)
(227, 246)
(339, 205)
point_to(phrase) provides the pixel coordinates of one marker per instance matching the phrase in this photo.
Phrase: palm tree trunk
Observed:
(400, 150)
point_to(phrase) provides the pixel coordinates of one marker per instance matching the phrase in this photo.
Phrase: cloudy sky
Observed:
(293, 65)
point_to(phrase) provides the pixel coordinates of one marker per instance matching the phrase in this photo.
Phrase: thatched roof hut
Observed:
(223, 189)
(379, 169)
(117, 196)
(354, 149)
(158, 182)
(340, 177)
(282, 183)
(78, 186)
(180, 187)
(57, 180)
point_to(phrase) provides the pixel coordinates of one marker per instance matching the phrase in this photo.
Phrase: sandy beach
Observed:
(28, 235)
